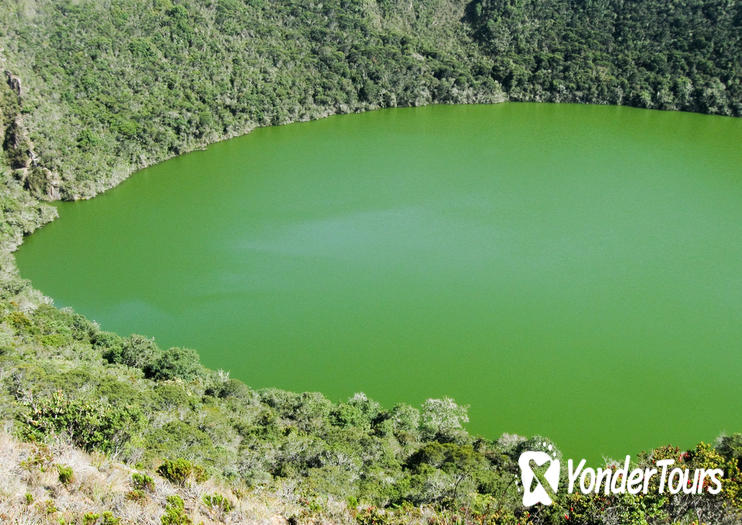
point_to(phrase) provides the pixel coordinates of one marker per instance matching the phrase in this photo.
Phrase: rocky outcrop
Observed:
(43, 183)
(18, 148)
(16, 145)
(14, 83)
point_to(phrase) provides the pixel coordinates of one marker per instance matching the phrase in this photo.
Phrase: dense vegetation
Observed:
(160, 410)
(60, 484)
(95, 90)
(113, 86)
(667, 55)
(110, 87)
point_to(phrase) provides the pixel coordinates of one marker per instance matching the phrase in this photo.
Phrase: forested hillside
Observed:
(109, 87)
(93, 90)
(666, 55)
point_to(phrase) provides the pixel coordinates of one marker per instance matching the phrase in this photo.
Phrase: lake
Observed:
(566, 270)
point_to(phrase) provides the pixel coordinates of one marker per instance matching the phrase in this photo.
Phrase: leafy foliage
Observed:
(217, 501)
(89, 424)
(142, 481)
(120, 85)
(175, 512)
(665, 55)
(174, 363)
(180, 470)
(65, 474)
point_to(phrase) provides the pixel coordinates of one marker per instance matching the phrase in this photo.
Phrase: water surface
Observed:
(572, 271)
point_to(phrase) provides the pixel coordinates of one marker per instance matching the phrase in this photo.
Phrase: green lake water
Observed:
(571, 271)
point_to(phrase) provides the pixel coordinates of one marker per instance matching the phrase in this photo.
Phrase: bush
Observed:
(107, 341)
(19, 321)
(179, 470)
(218, 502)
(49, 507)
(136, 351)
(175, 512)
(442, 419)
(174, 363)
(176, 471)
(89, 424)
(731, 448)
(135, 495)
(107, 518)
(142, 481)
(65, 474)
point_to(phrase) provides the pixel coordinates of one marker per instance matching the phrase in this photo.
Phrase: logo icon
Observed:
(530, 463)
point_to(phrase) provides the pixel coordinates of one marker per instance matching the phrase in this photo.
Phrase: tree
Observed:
(137, 351)
(174, 363)
(443, 419)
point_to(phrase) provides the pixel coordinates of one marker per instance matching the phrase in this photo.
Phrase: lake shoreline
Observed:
(515, 135)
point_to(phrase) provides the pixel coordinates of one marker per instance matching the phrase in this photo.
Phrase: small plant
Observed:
(65, 474)
(90, 518)
(19, 321)
(175, 471)
(135, 495)
(175, 512)
(110, 519)
(142, 481)
(218, 502)
(29, 498)
(49, 507)
(178, 471)
(200, 474)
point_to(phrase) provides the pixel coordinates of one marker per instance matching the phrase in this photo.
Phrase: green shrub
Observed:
(19, 321)
(136, 351)
(142, 481)
(107, 341)
(65, 474)
(218, 502)
(175, 512)
(200, 474)
(90, 424)
(174, 363)
(731, 448)
(107, 518)
(135, 495)
(110, 519)
(176, 471)
(64, 324)
(176, 436)
(179, 470)
(82, 329)
(442, 419)
(348, 416)
(54, 340)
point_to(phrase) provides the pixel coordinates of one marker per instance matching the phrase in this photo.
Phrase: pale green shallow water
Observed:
(573, 271)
